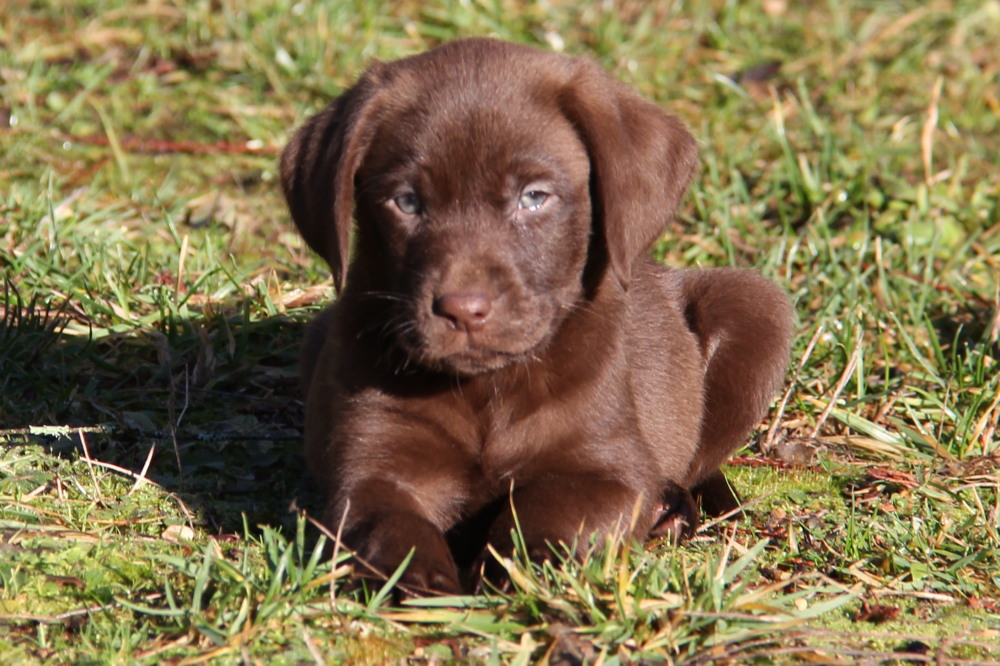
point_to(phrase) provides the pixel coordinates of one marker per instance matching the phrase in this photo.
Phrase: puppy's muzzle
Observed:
(467, 312)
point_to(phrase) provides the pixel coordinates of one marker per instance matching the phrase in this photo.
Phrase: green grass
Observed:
(154, 295)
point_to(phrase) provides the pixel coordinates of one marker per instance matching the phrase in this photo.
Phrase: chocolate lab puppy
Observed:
(502, 345)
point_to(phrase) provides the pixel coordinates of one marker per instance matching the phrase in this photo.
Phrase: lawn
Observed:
(153, 500)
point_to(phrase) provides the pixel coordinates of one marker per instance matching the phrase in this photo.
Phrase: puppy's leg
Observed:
(394, 482)
(387, 524)
(676, 514)
(744, 324)
(716, 496)
(563, 509)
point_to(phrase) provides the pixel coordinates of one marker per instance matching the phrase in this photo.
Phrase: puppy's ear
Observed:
(641, 159)
(318, 168)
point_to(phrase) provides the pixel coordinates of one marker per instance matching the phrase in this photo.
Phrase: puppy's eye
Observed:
(408, 204)
(532, 200)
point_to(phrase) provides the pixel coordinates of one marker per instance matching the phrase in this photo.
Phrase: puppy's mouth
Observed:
(469, 334)
(476, 360)
(462, 353)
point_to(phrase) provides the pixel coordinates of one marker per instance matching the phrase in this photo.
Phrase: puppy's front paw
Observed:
(429, 573)
(676, 515)
(383, 545)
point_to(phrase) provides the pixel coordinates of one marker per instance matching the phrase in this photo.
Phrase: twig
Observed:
(994, 333)
(173, 424)
(937, 597)
(768, 442)
(843, 654)
(69, 615)
(143, 478)
(773, 463)
(90, 465)
(724, 559)
(179, 282)
(729, 514)
(115, 429)
(336, 547)
(83, 491)
(845, 377)
(142, 474)
(311, 646)
(58, 430)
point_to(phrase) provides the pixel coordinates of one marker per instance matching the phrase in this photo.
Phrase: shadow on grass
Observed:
(967, 328)
(215, 398)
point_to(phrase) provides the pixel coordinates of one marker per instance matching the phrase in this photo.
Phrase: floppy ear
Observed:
(318, 168)
(641, 160)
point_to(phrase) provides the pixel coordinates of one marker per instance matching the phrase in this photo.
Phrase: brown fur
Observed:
(483, 352)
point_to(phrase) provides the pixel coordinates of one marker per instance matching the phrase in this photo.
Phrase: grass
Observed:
(154, 295)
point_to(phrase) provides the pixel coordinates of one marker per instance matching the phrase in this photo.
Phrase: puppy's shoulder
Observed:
(654, 288)
(655, 319)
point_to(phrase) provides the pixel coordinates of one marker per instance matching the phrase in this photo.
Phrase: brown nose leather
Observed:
(468, 312)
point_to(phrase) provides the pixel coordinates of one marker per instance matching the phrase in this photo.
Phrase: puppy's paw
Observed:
(717, 497)
(382, 548)
(676, 516)
(428, 574)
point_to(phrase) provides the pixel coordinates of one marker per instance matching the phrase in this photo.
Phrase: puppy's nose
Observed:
(468, 312)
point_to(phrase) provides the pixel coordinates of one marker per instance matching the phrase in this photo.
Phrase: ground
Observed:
(152, 494)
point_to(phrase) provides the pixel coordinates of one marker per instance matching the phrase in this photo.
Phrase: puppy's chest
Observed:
(513, 436)
(503, 431)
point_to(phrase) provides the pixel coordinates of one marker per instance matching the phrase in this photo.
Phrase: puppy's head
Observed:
(486, 178)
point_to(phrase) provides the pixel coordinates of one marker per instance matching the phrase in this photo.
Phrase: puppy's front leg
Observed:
(384, 522)
(395, 481)
(563, 509)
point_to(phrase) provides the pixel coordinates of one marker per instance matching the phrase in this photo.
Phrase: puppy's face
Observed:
(474, 211)
(469, 170)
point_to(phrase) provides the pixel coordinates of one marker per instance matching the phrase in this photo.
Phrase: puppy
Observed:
(502, 347)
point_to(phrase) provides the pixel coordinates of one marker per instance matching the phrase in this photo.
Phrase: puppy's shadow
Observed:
(216, 399)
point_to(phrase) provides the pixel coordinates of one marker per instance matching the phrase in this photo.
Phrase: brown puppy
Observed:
(500, 336)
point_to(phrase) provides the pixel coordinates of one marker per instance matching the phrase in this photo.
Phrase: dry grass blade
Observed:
(845, 377)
